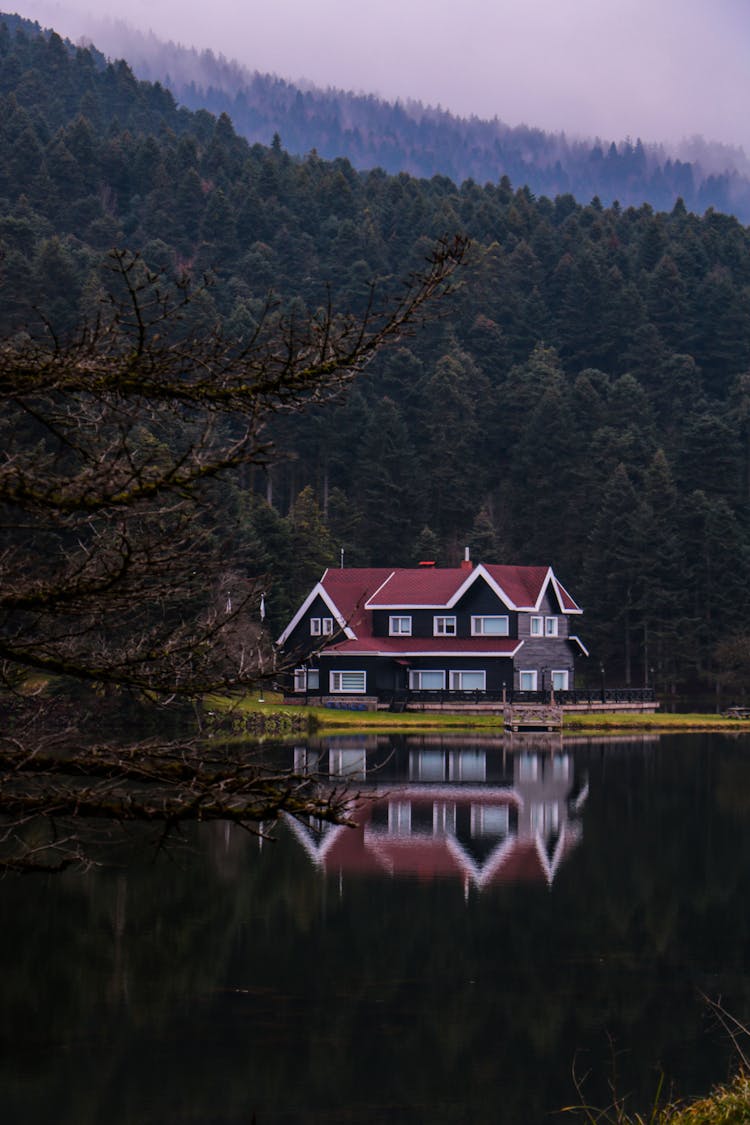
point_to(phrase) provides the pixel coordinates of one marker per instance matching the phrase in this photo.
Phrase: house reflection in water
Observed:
(494, 812)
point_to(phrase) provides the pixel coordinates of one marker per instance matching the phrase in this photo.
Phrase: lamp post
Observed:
(601, 670)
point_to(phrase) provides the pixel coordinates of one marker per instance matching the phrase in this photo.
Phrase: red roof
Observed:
(367, 645)
(428, 586)
(368, 849)
(523, 584)
(356, 591)
(349, 589)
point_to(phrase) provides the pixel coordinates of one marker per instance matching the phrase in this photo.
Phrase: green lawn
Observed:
(593, 723)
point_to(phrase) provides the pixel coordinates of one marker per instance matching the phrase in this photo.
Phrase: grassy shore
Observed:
(726, 1105)
(593, 723)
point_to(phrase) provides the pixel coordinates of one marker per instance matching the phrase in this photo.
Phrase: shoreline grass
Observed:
(577, 722)
(727, 1104)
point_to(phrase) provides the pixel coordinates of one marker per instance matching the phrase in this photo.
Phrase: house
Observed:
(379, 634)
(467, 813)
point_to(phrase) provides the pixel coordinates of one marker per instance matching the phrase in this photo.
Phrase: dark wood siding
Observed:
(301, 641)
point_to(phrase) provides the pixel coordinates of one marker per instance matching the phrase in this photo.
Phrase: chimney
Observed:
(466, 563)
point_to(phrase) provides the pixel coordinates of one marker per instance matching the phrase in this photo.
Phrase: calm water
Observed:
(502, 916)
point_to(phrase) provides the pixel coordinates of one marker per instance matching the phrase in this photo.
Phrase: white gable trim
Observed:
(471, 579)
(549, 576)
(375, 593)
(580, 644)
(557, 588)
(493, 585)
(317, 591)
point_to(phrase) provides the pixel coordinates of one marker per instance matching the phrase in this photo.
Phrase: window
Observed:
(426, 680)
(527, 681)
(467, 765)
(427, 765)
(489, 820)
(489, 626)
(348, 763)
(536, 626)
(560, 679)
(399, 817)
(550, 626)
(468, 681)
(347, 681)
(544, 817)
(528, 767)
(315, 626)
(561, 767)
(444, 627)
(443, 818)
(327, 623)
(306, 679)
(399, 626)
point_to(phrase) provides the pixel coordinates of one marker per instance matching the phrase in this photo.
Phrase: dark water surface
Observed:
(503, 915)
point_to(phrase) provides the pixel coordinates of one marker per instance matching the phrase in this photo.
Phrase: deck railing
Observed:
(577, 695)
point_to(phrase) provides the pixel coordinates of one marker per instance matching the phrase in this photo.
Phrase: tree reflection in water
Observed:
(235, 976)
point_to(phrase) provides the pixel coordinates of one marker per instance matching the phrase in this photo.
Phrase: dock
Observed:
(532, 717)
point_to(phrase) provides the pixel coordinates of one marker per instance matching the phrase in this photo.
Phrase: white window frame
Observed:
(444, 626)
(550, 627)
(399, 818)
(560, 672)
(303, 677)
(485, 821)
(539, 623)
(315, 627)
(335, 682)
(528, 766)
(444, 818)
(327, 623)
(455, 679)
(527, 672)
(415, 679)
(478, 625)
(399, 626)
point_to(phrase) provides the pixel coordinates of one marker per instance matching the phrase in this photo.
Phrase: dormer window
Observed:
(321, 626)
(489, 626)
(444, 626)
(550, 626)
(399, 626)
(536, 627)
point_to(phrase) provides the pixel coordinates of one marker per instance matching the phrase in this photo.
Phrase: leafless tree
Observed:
(112, 447)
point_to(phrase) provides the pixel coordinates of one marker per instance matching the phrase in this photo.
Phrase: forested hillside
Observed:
(427, 140)
(584, 400)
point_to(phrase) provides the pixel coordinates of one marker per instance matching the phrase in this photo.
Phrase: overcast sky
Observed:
(658, 69)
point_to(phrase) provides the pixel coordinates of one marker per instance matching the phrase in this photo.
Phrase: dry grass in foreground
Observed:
(726, 1105)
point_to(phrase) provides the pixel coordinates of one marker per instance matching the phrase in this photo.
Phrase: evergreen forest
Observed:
(582, 400)
(424, 140)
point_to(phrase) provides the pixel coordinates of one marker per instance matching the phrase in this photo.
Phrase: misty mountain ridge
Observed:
(425, 141)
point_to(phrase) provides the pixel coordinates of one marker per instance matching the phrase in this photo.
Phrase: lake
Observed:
(506, 915)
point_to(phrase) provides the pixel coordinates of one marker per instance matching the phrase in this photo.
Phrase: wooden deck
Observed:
(532, 717)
